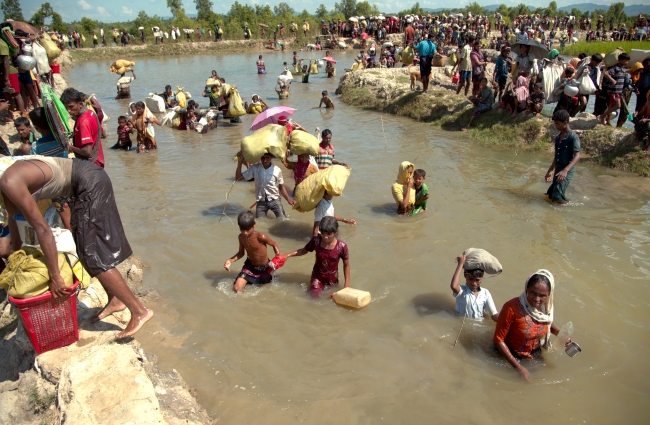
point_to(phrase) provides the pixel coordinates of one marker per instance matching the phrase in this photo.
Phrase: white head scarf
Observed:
(545, 314)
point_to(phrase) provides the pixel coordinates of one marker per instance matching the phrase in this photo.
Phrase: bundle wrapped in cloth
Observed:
(268, 139)
(121, 66)
(181, 98)
(476, 258)
(26, 273)
(301, 142)
(311, 190)
(236, 106)
(213, 82)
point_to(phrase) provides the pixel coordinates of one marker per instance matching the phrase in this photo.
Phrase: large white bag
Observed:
(155, 103)
(42, 63)
(586, 85)
(476, 258)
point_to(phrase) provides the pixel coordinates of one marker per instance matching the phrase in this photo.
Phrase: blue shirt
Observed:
(426, 48)
(502, 66)
(565, 149)
(48, 146)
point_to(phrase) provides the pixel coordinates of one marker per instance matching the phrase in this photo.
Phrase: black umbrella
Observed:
(538, 50)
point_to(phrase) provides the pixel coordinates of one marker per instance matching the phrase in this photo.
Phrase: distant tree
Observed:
(175, 6)
(576, 12)
(11, 9)
(283, 9)
(46, 12)
(502, 9)
(616, 13)
(321, 12)
(346, 7)
(88, 26)
(363, 9)
(204, 11)
(475, 9)
(552, 7)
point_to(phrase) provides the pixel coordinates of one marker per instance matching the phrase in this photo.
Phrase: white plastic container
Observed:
(354, 298)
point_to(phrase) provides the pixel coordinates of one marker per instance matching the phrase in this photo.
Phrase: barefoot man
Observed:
(95, 221)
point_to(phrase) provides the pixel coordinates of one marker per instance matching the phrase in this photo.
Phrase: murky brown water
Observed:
(272, 355)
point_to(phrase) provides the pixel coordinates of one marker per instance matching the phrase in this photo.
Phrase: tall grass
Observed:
(603, 47)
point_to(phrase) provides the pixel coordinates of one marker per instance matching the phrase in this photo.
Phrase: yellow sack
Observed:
(311, 190)
(611, 58)
(236, 106)
(83, 37)
(82, 275)
(180, 97)
(116, 67)
(313, 68)
(213, 82)
(452, 59)
(176, 121)
(407, 55)
(26, 273)
(255, 109)
(302, 142)
(269, 139)
(52, 51)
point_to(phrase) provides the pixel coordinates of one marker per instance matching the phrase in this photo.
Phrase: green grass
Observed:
(604, 47)
(41, 402)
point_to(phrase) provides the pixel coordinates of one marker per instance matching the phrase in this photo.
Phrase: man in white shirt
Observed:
(269, 185)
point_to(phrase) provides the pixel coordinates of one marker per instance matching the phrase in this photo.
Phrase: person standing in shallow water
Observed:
(567, 155)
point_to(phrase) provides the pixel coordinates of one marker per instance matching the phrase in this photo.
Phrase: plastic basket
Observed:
(50, 322)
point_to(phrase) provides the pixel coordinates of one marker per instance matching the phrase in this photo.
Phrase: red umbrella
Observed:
(263, 25)
(329, 59)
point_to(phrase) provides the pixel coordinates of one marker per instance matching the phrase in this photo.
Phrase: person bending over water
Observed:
(525, 323)
(95, 222)
(256, 268)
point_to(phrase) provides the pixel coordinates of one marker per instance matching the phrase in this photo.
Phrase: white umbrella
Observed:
(353, 19)
(459, 14)
(362, 17)
(381, 17)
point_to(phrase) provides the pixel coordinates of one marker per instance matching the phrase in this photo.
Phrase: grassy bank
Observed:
(388, 91)
(444, 109)
(604, 47)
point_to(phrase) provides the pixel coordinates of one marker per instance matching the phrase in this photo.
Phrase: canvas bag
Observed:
(476, 258)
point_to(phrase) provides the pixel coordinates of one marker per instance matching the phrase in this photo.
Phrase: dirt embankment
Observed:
(389, 90)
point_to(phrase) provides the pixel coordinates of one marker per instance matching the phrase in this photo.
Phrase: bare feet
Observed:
(137, 322)
(113, 306)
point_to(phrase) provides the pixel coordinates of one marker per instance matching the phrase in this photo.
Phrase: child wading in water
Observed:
(325, 100)
(567, 155)
(256, 268)
(471, 299)
(124, 128)
(329, 250)
(421, 191)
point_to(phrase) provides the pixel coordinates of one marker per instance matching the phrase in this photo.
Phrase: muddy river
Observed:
(273, 355)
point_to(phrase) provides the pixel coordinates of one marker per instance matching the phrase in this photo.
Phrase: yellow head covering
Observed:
(399, 187)
(635, 67)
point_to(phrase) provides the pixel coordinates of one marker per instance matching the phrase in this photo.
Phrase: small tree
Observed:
(321, 12)
(11, 9)
(347, 7)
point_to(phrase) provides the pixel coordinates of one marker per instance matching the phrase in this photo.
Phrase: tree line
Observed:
(233, 21)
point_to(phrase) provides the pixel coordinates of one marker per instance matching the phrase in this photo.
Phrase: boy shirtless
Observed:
(325, 100)
(256, 268)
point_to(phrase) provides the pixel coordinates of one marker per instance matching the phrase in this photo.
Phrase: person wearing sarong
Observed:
(95, 222)
(567, 155)
(402, 189)
(143, 121)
